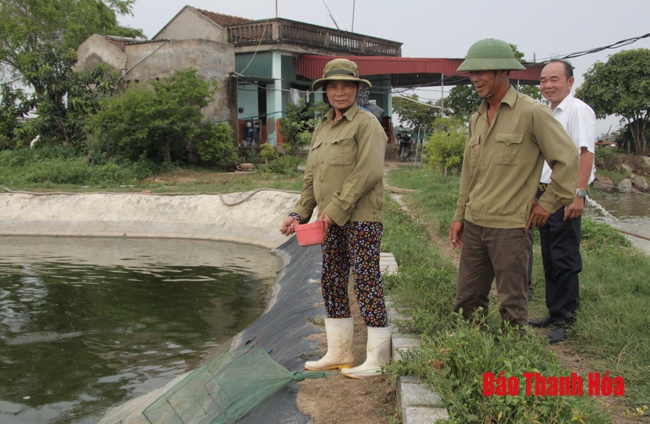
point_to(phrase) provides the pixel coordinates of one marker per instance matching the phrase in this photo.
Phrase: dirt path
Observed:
(441, 242)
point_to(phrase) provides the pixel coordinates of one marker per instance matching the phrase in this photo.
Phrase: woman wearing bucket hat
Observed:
(344, 180)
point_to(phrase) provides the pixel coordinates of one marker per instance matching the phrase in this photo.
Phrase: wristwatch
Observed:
(581, 193)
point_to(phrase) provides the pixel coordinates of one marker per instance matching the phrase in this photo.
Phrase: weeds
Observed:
(56, 166)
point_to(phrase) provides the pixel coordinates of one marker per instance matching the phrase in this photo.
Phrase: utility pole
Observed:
(276, 9)
(353, 7)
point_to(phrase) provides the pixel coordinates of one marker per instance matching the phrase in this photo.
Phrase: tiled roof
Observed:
(121, 42)
(224, 20)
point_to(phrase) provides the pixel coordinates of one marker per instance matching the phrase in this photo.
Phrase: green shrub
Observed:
(145, 168)
(302, 139)
(26, 157)
(54, 152)
(57, 165)
(253, 156)
(19, 157)
(154, 120)
(285, 165)
(215, 144)
(297, 127)
(446, 145)
(59, 171)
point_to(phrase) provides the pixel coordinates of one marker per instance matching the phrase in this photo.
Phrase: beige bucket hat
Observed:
(339, 70)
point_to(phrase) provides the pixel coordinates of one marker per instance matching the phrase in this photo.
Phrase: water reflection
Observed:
(88, 323)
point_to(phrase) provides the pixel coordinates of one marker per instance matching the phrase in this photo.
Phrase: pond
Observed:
(629, 212)
(88, 323)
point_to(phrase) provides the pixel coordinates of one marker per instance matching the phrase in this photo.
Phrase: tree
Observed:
(32, 30)
(14, 104)
(415, 114)
(38, 39)
(621, 86)
(464, 101)
(68, 99)
(532, 91)
(154, 121)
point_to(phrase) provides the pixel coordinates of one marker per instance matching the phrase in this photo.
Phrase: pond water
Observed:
(629, 212)
(87, 323)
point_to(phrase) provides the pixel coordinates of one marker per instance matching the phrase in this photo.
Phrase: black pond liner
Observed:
(284, 329)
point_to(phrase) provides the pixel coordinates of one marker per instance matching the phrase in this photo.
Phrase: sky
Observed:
(436, 29)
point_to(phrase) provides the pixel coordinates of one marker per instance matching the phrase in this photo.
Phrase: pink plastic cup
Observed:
(310, 234)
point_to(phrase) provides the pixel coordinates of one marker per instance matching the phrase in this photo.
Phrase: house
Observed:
(263, 65)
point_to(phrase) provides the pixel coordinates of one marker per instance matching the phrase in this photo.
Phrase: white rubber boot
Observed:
(339, 354)
(378, 350)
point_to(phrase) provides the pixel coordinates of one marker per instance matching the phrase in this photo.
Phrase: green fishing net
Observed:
(224, 390)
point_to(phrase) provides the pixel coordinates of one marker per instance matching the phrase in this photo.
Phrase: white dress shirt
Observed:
(579, 121)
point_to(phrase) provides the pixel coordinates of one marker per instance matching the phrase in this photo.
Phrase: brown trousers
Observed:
(488, 253)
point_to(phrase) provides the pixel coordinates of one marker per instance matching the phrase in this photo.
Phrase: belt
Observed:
(542, 186)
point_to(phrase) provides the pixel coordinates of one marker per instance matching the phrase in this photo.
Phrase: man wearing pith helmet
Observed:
(509, 138)
(344, 179)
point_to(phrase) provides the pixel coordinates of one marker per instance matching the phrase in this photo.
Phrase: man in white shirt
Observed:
(560, 236)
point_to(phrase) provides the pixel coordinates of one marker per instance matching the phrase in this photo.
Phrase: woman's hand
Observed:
(287, 226)
(328, 221)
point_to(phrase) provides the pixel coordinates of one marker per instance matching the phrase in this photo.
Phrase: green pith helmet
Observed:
(490, 55)
(339, 70)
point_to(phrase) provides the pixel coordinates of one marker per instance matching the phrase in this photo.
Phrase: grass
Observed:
(58, 169)
(611, 333)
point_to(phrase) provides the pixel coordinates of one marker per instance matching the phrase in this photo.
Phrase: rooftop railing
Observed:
(276, 31)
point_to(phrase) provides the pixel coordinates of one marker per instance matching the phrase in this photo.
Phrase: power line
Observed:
(422, 103)
(616, 45)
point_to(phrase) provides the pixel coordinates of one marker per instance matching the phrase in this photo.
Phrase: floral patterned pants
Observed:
(354, 247)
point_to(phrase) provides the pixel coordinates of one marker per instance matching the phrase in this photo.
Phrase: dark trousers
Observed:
(560, 241)
(488, 253)
(354, 247)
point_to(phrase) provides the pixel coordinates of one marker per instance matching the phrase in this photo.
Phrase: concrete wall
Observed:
(96, 50)
(254, 221)
(190, 24)
(212, 59)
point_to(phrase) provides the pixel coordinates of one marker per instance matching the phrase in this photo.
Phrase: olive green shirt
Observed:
(344, 172)
(503, 163)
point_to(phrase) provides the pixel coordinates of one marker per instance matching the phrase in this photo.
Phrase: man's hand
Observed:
(538, 216)
(456, 235)
(328, 221)
(287, 226)
(574, 210)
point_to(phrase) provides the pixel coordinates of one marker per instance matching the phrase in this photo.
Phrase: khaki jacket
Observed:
(344, 172)
(503, 163)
